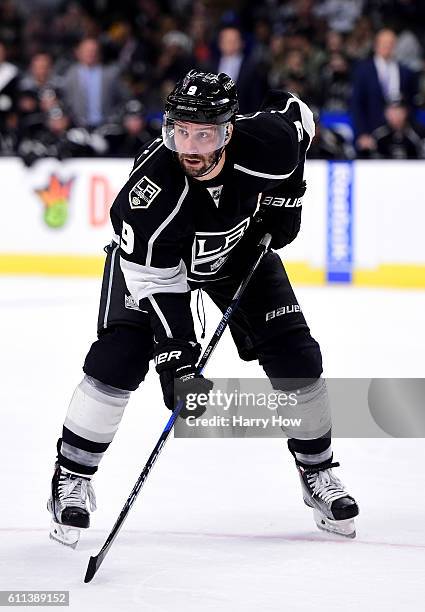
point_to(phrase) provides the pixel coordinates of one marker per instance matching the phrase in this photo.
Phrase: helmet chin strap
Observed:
(218, 155)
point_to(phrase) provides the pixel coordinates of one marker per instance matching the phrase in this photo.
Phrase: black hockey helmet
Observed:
(209, 102)
(203, 97)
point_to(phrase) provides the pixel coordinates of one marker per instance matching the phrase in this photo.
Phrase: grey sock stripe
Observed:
(316, 458)
(97, 391)
(80, 456)
(87, 434)
(107, 389)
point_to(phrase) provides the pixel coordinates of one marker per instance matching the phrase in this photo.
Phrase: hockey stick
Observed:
(95, 562)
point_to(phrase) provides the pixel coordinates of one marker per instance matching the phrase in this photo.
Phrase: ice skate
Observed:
(68, 506)
(334, 509)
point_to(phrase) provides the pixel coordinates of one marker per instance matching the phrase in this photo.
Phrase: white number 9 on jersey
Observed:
(127, 238)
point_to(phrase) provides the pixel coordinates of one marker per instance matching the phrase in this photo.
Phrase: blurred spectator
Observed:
(398, 138)
(359, 43)
(300, 17)
(130, 52)
(277, 59)
(336, 84)
(37, 36)
(40, 74)
(319, 50)
(8, 85)
(127, 138)
(199, 34)
(293, 70)
(9, 135)
(244, 70)
(340, 15)
(329, 144)
(11, 24)
(57, 138)
(176, 58)
(92, 91)
(334, 42)
(409, 51)
(29, 115)
(231, 57)
(378, 81)
(72, 25)
(261, 48)
(48, 99)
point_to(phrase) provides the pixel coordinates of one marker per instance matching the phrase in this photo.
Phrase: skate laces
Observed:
(75, 490)
(326, 485)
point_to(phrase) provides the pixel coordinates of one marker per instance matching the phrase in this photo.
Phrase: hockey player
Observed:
(184, 220)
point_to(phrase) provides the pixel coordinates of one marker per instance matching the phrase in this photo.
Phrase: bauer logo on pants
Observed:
(143, 193)
(282, 310)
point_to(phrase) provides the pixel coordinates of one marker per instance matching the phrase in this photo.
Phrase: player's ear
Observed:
(229, 132)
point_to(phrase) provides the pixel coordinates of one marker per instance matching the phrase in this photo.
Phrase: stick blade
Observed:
(92, 568)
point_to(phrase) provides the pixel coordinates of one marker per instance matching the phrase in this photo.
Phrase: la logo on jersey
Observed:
(143, 193)
(210, 249)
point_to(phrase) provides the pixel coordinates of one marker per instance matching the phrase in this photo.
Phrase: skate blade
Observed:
(64, 534)
(345, 528)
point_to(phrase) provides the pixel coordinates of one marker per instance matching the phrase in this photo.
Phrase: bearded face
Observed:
(196, 165)
(198, 145)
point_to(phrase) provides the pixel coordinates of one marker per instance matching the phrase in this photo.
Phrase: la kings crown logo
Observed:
(210, 249)
(143, 193)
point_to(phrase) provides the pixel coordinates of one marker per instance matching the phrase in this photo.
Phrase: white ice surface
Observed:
(220, 524)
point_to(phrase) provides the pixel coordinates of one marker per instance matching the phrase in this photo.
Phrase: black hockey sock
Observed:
(68, 438)
(316, 452)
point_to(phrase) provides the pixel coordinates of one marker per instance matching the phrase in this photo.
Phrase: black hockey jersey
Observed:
(177, 233)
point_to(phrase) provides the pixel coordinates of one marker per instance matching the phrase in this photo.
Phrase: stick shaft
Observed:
(96, 561)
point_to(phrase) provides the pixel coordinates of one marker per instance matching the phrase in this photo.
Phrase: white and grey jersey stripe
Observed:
(166, 222)
(147, 281)
(161, 316)
(144, 281)
(110, 280)
(158, 144)
(262, 174)
(307, 118)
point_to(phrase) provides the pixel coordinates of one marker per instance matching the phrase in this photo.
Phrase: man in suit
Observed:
(244, 70)
(93, 92)
(378, 81)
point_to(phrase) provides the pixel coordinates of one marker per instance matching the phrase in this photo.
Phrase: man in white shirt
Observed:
(378, 81)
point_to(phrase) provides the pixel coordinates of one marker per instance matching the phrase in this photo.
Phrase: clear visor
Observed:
(194, 138)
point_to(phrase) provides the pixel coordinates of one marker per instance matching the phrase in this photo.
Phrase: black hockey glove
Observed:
(281, 215)
(175, 362)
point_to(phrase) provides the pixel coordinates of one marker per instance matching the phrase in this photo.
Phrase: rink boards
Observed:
(362, 221)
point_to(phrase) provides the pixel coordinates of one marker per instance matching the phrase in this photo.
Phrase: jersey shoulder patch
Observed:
(155, 183)
(153, 173)
(143, 193)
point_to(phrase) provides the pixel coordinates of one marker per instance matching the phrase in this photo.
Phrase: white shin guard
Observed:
(94, 414)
